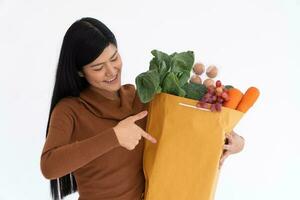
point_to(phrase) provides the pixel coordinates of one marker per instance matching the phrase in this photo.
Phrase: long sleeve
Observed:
(146, 106)
(143, 122)
(59, 156)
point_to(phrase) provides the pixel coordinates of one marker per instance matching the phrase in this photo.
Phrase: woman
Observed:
(94, 137)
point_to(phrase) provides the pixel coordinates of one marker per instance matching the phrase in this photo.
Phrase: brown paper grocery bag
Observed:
(183, 164)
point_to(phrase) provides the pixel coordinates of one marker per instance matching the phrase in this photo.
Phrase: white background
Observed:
(253, 42)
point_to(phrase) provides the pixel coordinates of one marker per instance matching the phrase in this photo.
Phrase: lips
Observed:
(111, 80)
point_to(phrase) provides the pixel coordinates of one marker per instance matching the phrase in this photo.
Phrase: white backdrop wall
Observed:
(252, 42)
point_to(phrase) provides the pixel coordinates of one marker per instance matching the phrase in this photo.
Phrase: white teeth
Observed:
(111, 79)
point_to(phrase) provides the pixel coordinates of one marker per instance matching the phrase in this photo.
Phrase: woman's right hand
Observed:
(129, 134)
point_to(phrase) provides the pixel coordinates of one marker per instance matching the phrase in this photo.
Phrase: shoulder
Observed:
(67, 105)
(128, 86)
(63, 114)
(130, 90)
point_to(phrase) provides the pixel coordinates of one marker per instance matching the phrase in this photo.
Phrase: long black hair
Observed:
(83, 42)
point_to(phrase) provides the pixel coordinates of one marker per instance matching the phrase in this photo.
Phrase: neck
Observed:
(112, 95)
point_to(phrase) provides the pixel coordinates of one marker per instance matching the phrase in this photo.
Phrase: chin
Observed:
(114, 87)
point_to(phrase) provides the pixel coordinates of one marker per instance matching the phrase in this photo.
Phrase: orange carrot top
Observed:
(248, 99)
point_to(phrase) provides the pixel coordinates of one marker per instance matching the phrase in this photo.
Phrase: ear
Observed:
(80, 74)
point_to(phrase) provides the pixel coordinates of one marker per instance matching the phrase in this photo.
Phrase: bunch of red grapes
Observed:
(214, 98)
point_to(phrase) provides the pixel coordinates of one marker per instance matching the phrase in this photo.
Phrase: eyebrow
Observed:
(94, 65)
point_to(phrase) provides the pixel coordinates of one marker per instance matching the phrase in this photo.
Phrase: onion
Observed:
(209, 82)
(196, 79)
(212, 71)
(198, 68)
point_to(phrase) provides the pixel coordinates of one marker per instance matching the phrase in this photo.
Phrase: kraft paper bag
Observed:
(183, 164)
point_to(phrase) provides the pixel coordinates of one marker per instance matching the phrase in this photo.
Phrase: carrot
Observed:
(235, 96)
(248, 99)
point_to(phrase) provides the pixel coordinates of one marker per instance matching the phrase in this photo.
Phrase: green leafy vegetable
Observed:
(167, 73)
(148, 85)
(160, 62)
(194, 91)
(228, 86)
(171, 85)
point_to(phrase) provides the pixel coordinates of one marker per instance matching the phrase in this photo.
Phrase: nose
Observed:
(110, 70)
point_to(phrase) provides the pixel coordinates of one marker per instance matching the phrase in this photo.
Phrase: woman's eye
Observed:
(115, 59)
(98, 69)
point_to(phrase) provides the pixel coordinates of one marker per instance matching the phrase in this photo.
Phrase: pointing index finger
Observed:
(148, 137)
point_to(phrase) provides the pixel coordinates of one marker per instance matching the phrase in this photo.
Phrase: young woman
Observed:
(95, 132)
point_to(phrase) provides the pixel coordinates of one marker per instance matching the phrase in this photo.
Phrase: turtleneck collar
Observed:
(102, 106)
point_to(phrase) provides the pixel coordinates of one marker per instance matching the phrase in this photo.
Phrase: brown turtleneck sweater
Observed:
(81, 140)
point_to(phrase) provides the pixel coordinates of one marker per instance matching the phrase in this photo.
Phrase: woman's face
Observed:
(105, 71)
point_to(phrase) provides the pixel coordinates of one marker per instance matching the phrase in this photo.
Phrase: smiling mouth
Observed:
(112, 80)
